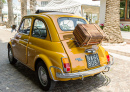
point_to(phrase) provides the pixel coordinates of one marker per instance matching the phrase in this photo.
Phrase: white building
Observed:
(124, 11)
(85, 8)
(17, 9)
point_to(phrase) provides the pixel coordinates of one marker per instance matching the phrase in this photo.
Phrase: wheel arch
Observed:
(45, 60)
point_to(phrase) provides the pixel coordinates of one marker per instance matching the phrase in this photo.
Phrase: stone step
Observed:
(127, 41)
(118, 52)
(124, 58)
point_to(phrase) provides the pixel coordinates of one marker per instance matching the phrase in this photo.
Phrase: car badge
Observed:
(90, 50)
(79, 59)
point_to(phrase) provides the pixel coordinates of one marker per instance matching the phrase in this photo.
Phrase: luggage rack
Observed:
(82, 45)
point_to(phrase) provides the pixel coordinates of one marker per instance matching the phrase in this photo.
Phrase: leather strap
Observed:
(100, 32)
(88, 33)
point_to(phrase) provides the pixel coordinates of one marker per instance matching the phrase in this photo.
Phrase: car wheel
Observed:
(11, 58)
(44, 78)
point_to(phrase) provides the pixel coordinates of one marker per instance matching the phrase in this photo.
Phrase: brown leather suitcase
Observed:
(88, 34)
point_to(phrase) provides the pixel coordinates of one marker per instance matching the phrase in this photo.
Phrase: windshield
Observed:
(69, 24)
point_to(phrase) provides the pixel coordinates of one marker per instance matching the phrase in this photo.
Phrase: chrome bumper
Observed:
(105, 68)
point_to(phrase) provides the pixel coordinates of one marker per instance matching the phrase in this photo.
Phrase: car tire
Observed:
(11, 58)
(44, 79)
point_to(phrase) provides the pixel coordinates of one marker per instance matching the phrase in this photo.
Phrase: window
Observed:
(44, 3)
(25, 26)
(125, 10)
(122, 9)
(128, 9)
(39, 29)
(69, 24)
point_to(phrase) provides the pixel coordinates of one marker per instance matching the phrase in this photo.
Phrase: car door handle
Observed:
(26, 40)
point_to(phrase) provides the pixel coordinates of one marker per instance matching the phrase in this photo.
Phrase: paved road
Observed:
(19, 78)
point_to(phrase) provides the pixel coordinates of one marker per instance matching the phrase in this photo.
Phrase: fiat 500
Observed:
(45, 43)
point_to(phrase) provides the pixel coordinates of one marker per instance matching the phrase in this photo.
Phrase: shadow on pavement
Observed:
(88, 84)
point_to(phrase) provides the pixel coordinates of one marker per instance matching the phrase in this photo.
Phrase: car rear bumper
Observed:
(82, 74)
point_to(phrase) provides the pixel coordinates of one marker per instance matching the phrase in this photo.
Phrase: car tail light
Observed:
(108, 58)
(66, 65)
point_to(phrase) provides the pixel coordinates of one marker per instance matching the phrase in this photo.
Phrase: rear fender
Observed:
(102, 55)
(47, 62)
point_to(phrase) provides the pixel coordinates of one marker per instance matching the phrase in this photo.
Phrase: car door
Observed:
(22, 38)
(39, 39)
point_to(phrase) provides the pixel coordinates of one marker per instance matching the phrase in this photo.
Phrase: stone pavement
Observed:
(121, 51)
(4, 28)
(125, 35)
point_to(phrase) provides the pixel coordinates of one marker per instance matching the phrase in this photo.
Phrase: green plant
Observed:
(102, 26)
(3, 1)
(125, 28)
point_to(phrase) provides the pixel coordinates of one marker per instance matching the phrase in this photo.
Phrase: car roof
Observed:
(56, 13)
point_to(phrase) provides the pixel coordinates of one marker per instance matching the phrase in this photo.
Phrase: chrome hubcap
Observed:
(10, 55)
(42, 76)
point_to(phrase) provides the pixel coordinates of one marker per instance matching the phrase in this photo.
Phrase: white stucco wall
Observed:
(102, 11)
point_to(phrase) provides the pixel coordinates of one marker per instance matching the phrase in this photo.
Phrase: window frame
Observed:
(44, 3)
(124, 10)
(21, 25)
(67, 17)
(126, 7)
(48, 32)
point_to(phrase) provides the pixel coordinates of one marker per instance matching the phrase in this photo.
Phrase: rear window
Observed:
(69, 24)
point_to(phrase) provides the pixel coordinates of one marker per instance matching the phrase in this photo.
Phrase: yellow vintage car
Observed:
(45, 43)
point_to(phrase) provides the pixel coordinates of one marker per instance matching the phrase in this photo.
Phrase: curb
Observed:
(127, 41)
(118, 52)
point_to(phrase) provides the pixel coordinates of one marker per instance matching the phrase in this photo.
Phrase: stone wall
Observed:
(112, 21)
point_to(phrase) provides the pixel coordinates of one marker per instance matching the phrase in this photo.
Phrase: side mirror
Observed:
(13, 26)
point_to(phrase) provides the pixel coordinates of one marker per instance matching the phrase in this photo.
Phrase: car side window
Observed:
(39, 29)
(25, 26)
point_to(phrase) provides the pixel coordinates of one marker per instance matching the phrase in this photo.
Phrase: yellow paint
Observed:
(52, 49)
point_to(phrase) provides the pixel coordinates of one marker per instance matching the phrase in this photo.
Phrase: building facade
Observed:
(124, 11)
(42, 3)
(17, 9)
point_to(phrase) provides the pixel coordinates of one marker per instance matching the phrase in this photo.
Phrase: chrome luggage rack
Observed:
(82, 45)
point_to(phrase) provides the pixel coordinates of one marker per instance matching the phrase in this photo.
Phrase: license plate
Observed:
(92, 60)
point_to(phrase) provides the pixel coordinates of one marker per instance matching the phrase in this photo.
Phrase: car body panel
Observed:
(56, 45)
(75, 52)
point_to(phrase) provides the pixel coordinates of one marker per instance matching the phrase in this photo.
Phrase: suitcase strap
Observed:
(88, 33)
(100, 32)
